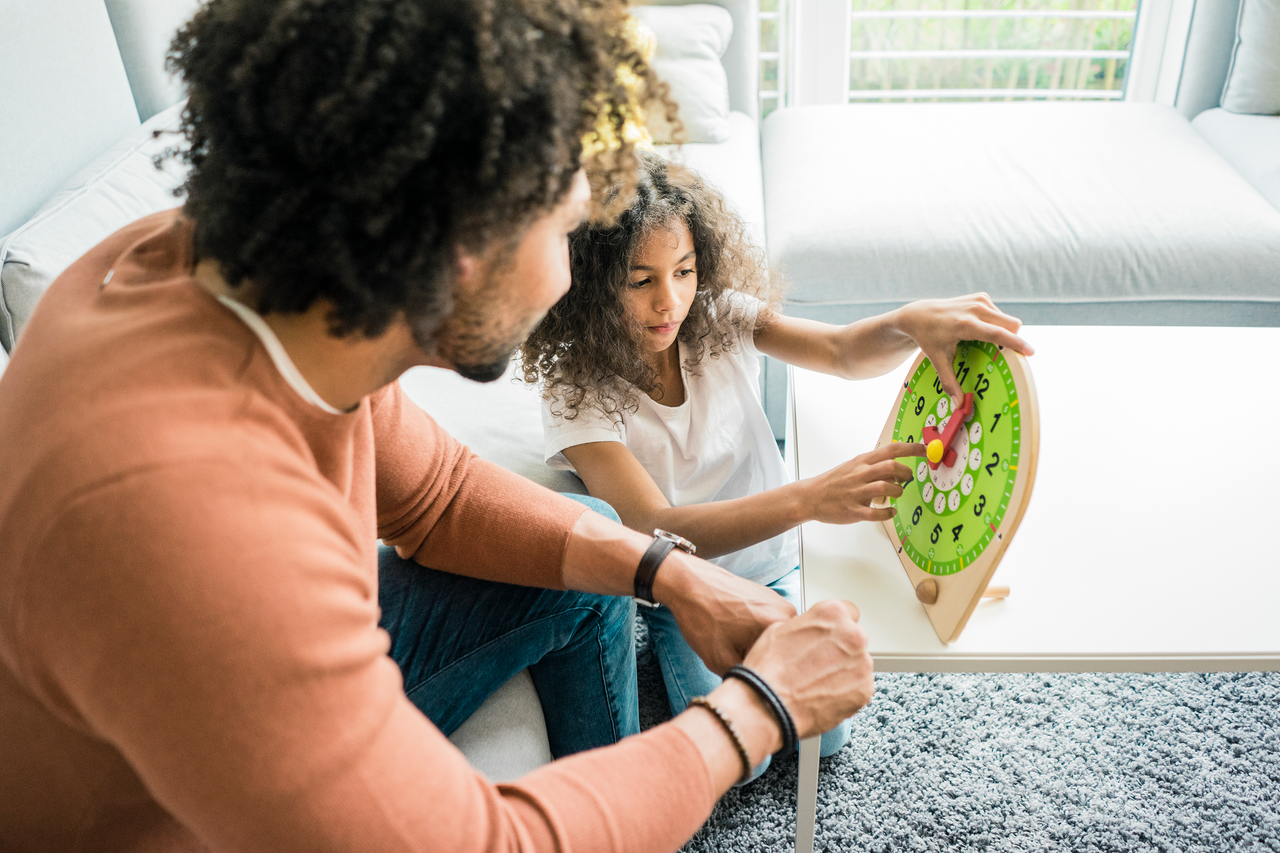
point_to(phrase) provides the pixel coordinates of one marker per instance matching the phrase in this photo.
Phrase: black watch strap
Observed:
(662, 545)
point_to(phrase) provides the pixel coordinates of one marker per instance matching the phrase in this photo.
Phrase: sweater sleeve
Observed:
(231, 654)
(447, 508)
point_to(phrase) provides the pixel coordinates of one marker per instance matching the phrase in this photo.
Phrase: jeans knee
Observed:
(595, 504)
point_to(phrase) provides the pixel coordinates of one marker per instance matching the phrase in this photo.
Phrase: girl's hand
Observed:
(844, 494)
(938, 325)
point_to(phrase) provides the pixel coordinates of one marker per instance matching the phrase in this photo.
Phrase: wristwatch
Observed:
(662, 544)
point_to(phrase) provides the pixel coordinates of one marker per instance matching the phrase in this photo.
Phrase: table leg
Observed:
(807, 795)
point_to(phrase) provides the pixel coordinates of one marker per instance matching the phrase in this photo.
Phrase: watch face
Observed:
(948, 515)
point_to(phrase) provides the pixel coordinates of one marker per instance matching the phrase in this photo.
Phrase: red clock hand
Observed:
(941, 453)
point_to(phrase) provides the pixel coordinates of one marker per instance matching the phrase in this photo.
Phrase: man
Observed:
(205, 440)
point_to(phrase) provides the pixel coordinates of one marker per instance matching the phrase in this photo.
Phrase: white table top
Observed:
(1152, 540)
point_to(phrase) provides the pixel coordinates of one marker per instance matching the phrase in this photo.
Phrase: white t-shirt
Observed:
(715, 446)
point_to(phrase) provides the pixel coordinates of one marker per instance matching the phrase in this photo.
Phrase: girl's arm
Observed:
(840, 496)
(876, 345)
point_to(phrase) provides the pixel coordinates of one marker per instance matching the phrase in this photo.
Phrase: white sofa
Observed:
(1090, 213)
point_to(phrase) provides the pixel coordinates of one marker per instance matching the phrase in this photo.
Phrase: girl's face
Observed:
(662, 283)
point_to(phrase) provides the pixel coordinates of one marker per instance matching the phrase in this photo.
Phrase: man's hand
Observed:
(938, 325)
(818, 664)
(720, 614)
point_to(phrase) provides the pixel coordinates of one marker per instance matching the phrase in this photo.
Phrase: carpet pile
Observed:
(1026, 762)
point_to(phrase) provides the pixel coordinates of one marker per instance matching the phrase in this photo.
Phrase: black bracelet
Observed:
(731, 730)
(790, 738)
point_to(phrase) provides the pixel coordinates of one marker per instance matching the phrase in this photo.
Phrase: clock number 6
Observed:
(994, 462)
(933, 537)
(915, 515)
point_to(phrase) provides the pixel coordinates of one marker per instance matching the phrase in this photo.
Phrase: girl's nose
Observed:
(665, 298)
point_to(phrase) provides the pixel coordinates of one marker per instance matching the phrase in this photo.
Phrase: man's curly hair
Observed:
(345, 150)
(588, 352)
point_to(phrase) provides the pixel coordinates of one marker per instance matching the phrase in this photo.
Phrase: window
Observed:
(772, 45)
(932, 50)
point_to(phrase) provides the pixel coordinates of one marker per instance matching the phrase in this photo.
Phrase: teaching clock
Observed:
(966, 498)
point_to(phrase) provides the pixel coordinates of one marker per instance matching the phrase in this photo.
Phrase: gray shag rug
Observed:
(1026, 762)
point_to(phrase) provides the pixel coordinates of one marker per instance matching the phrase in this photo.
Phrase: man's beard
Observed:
(479, 346)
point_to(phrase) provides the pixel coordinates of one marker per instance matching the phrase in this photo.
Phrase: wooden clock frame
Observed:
(958, 594)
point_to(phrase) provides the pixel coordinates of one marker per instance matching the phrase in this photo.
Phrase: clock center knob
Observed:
(935, 451)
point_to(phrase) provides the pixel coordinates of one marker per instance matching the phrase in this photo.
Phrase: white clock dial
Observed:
(966, 483)
(939, 502)
(922, 471)
(975, 432)
(945, 477)
(927, 492)
(943, 404)
(975, 458)
(931, 421)
(953, 501)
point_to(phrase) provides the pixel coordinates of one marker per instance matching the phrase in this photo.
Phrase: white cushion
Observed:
(733, 167)
(1253, 83)
(881, 204)
(144, 29)
(690, 41)
(118, 187)
(1249, 143)
(501, 421)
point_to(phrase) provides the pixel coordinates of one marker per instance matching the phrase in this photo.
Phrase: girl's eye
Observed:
(688, 272)
(641, 283)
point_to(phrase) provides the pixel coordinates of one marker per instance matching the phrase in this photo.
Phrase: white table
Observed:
(1152, 540)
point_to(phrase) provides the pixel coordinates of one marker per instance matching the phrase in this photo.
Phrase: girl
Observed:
(650, 392)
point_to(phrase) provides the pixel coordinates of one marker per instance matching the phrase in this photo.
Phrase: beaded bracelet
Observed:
(727, 724)
(790, 738)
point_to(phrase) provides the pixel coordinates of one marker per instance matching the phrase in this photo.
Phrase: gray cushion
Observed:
(690, 41)
(143, 30)
(1208, 56)
(1253, 83)
(733, 167)
(507, 736)
(118, 187)
(65, 98)
(875, 205)
(1249, 143)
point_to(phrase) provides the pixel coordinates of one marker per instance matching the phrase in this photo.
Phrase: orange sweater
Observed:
(189, 648)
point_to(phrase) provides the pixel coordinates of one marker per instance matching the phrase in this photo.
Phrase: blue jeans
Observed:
(458, 639)
(686, 676)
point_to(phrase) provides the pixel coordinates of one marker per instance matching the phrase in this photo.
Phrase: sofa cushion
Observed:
(121, 185)
(1249, 143)
(1079, 212)
(733, 167)
(501, 421)
(690, 41)
(1253, 83)
(64, 99)
(144, 29)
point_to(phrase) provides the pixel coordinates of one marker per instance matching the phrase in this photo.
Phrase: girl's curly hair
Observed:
(346, 149)
(587, 350)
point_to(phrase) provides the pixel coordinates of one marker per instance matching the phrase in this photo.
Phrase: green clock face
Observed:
(947, 516)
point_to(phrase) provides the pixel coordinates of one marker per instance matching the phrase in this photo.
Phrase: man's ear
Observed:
(465, 266)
